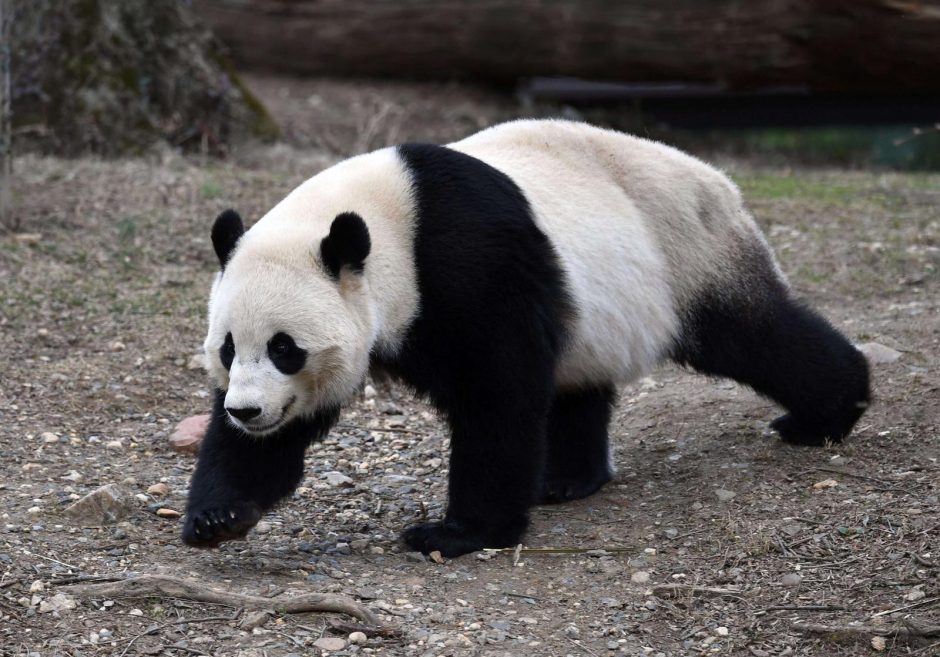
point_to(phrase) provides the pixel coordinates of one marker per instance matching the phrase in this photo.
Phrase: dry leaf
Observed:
(436, 556)
(878, 643)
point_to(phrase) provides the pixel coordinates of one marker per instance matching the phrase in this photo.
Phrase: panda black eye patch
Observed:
(227, 352)
(285, 354)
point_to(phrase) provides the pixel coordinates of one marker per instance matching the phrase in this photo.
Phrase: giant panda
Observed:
(514, 279)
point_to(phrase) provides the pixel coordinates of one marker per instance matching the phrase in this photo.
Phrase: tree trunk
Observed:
(6, 118)
(828, 45)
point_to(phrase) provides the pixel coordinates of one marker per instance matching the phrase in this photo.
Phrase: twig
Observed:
(676, 590)
(368, 630)
(154, 630)
(916, 604)
(520, 595)
(856, 475)
(386, 429)
(804, 608)
(190, 589)
(83, 578)
(582, 646)
(552, 550)
(912, 630)
(923, 562)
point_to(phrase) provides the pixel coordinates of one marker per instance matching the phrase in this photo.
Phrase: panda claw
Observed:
(209, 528)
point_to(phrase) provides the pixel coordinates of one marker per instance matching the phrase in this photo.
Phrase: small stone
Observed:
(572, 632)
(724, 495)
(825, 483)
(117, 345)
(196, 362)
(189, 434)
(878, 643)
(414, 556)
(375, 549)
(612, 645)
(791, 579)
(254, 619)
(358, 638)
(58, 602)
(49, 437)
(914, 595)
(114, 445)
(368, 392)
(104, 506)
(34, 510)
(640, 577)
(263, 527)
(337, 479)
(73, 476)
(135, 612)
(159, 489)
(330, 643)
(721, 631)
(671, 533)
(163, 512)
(37, 586)
(879, 354)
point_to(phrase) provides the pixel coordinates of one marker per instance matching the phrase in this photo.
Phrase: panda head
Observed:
(290, 329)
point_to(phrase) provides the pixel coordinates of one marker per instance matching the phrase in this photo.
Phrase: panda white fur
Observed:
(513, 278)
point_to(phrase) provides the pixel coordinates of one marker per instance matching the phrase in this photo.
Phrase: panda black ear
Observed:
(347, 245)
(226, 231)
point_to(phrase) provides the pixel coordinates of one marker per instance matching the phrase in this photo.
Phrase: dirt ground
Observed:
(714, 538)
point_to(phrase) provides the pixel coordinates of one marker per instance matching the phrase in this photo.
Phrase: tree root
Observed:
(912, 629)
(678, 590)
(189, 589)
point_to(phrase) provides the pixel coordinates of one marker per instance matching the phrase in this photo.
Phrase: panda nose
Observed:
(244, 414)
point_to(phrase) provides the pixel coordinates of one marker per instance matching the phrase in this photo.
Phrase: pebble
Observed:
(640, 577)
(58, 602)
(914, 595)
(368, 392)
(117, 345)
(104, 506)
(358, 638)
(163, 512)
(337, 479)
(724, 495)
(879, 354)
(114, 444)
(263, 527)
(330, 643)
(196, 362)
(37, 586)
(189, 434)
(49, 437)
(791, 579)
(721, 631)
(159, 489)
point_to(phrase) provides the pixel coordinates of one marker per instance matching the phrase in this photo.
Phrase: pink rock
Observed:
(189, 433)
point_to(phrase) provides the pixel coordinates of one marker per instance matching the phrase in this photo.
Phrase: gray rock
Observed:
(572, 632)
(879, 354)
(337, 479)
(724, 495)
(104, 506)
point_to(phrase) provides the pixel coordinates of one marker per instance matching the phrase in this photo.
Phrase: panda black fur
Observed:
(514, 279)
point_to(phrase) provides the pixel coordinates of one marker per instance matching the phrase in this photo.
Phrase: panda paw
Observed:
(560, 489)
(210, 527)
(793, 431)
(448, 538)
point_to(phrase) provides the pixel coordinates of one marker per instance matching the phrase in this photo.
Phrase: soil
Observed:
(104, 288)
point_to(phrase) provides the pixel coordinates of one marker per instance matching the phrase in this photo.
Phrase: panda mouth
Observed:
(273, 425)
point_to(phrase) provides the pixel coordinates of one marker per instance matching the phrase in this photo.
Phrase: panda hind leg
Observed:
(784, 351)
(577, 460)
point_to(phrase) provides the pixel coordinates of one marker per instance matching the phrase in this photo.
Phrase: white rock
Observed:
(368, 392)
(330, 643)
(724, 495)
(58, 602)
(103, 506)
(721, 631)
(914, 595)
(358, 638)
(49, 437)
(37, 586)
(640, 577)
(879, 354)
(263, 527)
(196, 362)
(791, 579)
(337, 479)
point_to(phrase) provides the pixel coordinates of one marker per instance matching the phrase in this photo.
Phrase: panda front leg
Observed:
(238, 477)
(496, 463)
